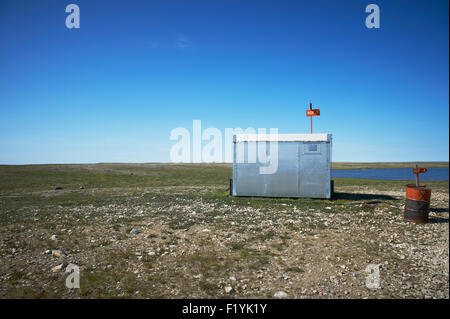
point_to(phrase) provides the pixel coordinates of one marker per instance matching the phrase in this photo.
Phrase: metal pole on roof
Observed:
(417, 176)
(311, 113)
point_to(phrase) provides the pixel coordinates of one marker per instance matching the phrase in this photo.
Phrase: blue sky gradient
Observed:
(113, 90)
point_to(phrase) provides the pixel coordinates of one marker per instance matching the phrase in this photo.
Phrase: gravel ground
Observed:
(197, 242)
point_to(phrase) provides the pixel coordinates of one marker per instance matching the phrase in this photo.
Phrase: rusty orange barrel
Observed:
(417, 204)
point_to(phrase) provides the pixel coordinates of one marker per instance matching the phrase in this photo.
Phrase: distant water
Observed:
(433, 174)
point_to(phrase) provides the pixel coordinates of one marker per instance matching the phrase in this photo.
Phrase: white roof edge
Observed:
(315, 137)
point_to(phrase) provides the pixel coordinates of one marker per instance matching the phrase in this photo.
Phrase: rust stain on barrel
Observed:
(418, 193)
(417, 204)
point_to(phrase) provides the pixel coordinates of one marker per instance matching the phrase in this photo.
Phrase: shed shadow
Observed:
(438, 220)
(362, 197)
(439, 210)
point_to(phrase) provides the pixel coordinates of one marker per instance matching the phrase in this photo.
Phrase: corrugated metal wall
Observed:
(304, 170)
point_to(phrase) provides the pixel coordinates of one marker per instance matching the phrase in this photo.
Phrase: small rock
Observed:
(135, 231)
(54, 238)
(151, 253)
(58, 268)
(280, 294)
(58, 253)
(228, 289)
(48, 252)
(232, 278)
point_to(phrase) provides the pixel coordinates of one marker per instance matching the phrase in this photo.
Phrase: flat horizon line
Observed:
(187, 163)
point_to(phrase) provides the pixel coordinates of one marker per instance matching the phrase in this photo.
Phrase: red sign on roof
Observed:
(313, 112)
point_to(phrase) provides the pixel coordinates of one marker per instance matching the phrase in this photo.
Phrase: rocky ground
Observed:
(198, 242)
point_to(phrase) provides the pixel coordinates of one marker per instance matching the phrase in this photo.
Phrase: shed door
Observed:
(284, 182)
(314, 172)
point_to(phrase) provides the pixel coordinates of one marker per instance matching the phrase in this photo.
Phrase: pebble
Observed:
(232, 278)
(58, 268)
(54, 238)
(280, 294)
(135, 231)
(58, 253)
(228, 289)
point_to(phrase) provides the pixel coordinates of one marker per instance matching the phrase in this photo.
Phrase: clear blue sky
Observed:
(113, 90)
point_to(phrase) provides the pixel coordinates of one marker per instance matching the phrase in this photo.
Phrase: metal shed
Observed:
(303, 168)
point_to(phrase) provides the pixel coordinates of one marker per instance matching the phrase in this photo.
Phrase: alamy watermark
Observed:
(373, 276)
(73, 19)
(73, 279)
(211, 145)
(373, 19)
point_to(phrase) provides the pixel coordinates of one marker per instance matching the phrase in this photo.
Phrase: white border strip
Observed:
(316, 137)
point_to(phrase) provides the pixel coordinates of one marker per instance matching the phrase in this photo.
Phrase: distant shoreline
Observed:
(362, 165)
